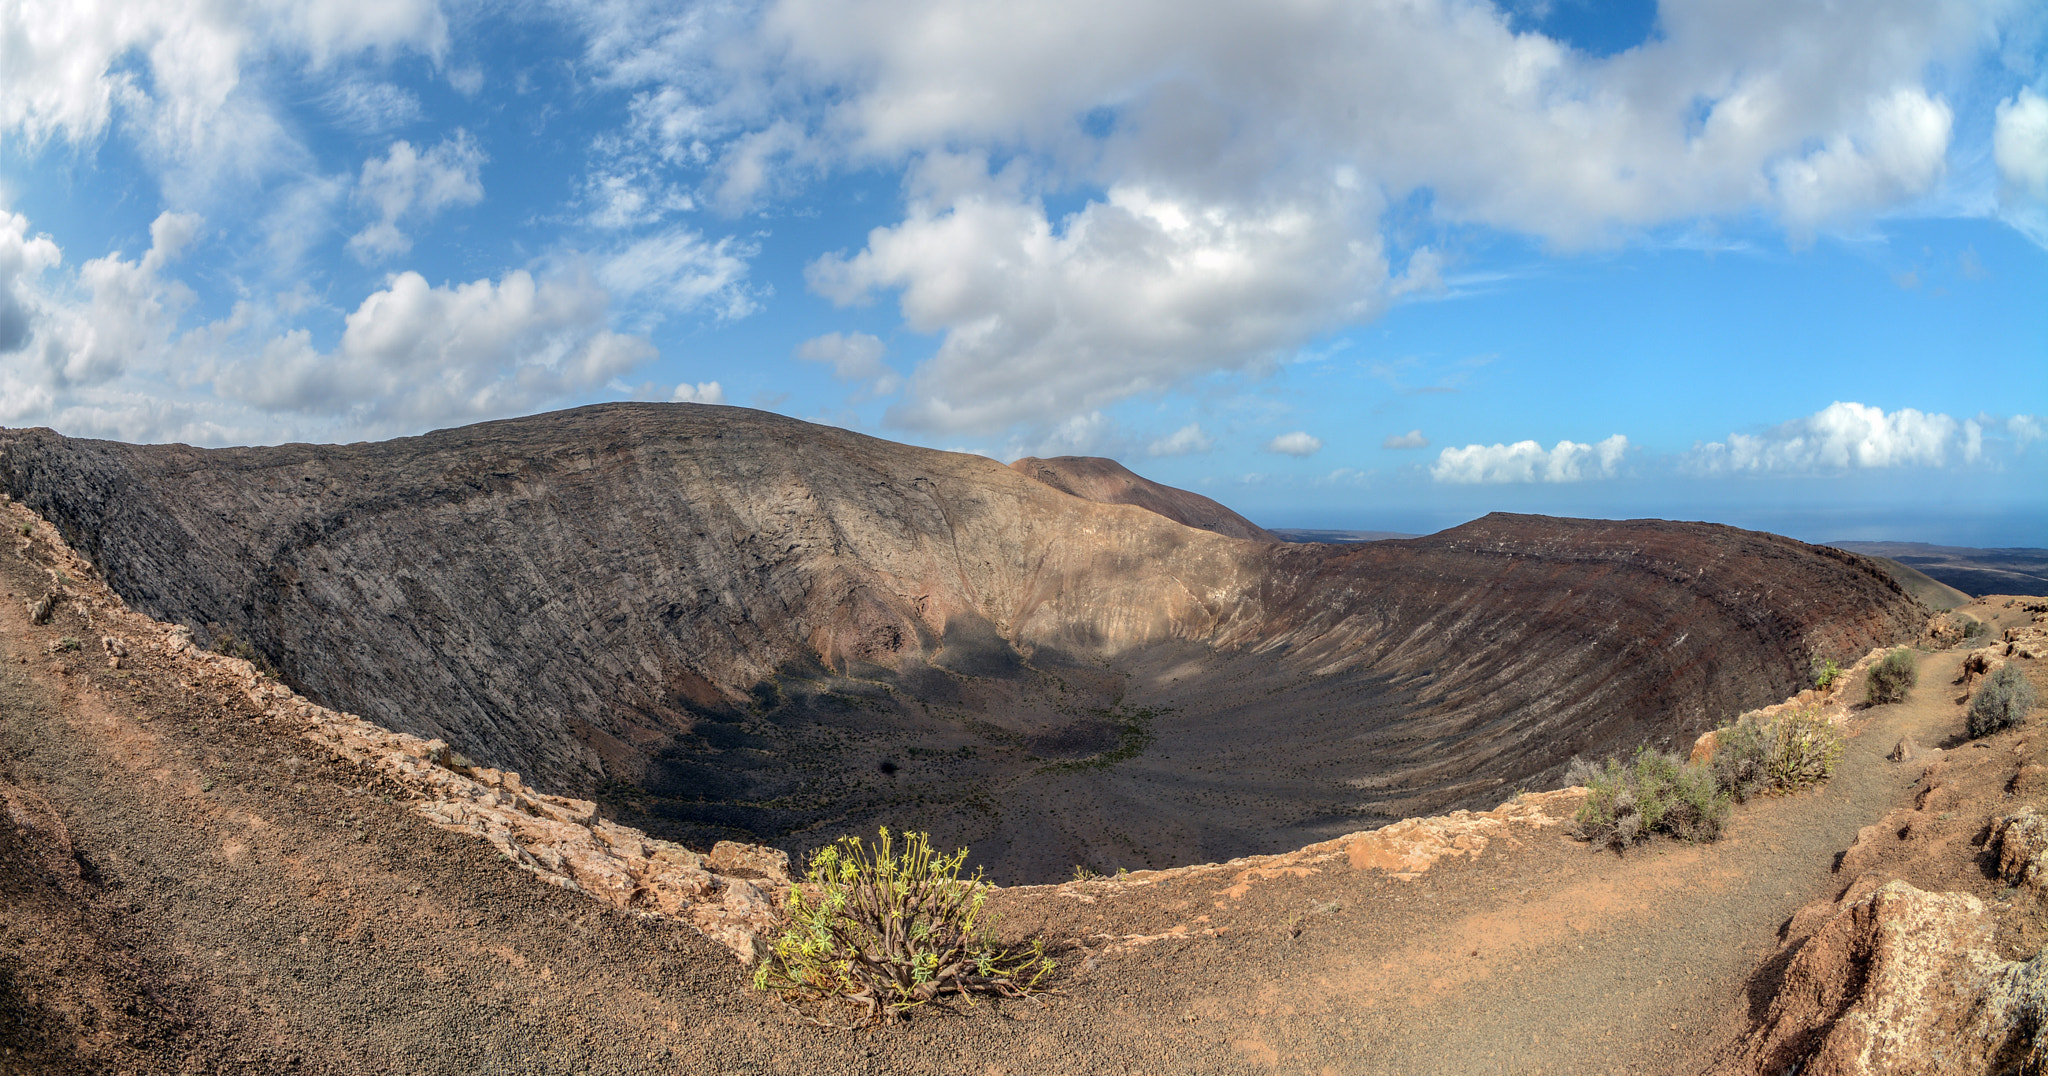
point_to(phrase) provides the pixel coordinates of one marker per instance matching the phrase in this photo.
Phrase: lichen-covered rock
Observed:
(2021, 839)
(1900, 982)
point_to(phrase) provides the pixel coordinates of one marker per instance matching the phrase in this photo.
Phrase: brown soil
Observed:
(187, 891)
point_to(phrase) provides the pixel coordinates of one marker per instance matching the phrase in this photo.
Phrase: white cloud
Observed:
(414, 355)
(631, 198)
(853, 357)
(2020, 146)
(1425, 274)
(300, 219)
(407, 184)
(1297, 443)
(703, 392)
(1791, 108)
(175, 69)
(1090, 434)
(370, 106)
(23, 260)
(1527, 461)
(1900, 151)
(63, 339)
(1411, 439)
(1844, 436)
(1128, 295)
(100, 352)
(1245, 154)
(2025, 428)
(678, 270)
(1187, 440)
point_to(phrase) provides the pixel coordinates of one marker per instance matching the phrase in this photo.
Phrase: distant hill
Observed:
(1296, 534)
(1975, 572)
(1935, 593)
(1105, 481)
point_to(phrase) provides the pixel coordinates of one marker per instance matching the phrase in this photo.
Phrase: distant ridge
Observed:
(1975, 572)
(1105, 481)
(1297, 534)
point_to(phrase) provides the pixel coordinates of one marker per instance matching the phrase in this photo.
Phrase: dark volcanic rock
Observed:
(731, 623)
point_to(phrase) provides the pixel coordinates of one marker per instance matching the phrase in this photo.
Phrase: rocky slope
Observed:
(732, 624)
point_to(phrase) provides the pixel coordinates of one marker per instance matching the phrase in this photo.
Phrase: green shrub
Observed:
(1975, 627)
(2002, 702)
(887, 932)
(1890, 678)
(1826, 674)
(1628, 802)
(1787, 753)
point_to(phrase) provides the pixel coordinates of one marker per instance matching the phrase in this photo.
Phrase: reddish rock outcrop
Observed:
(1898, 981)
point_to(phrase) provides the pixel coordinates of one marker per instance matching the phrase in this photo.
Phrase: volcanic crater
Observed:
(723, 623)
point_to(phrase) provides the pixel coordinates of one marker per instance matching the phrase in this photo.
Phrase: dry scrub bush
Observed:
(2002, 702)
(1628, 802)
(1787, 753)
(1890, 678)
(886, 932)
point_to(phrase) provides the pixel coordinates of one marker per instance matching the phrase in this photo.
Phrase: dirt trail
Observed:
(235, 903)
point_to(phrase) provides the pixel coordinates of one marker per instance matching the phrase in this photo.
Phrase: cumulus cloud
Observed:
(1297, 443)
(853, 357)
(1411, 439)
(1129, 295)
(405, 183)
(95, 328)
(703, 392)
(415, 355)
(1187, 440)
(2025, 428)
(1527, 461)
(23, 259)
(1789, 107)
(1845, 436)
(102, 352)
(1244, 155)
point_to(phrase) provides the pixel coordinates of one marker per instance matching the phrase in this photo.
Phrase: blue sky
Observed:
(1372, 265)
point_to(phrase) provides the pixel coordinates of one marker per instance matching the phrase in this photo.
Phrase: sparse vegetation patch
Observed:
(1890, 679)
(885, 932)
(2002, 703)
(1789, 753)
(1134, 735)
(1656, 792)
